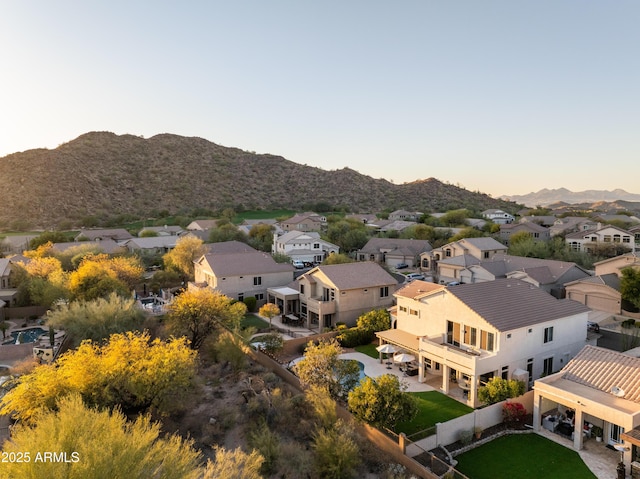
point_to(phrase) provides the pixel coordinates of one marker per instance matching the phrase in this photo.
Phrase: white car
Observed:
(412, 276)
(297, 264)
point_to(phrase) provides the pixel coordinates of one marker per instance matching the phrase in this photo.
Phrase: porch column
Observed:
(537, 405)
(578, 425)
(420, 368)
(473, 391)
(446, 371)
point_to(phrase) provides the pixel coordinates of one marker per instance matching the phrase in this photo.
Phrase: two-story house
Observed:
(473, 332)
(119, 235)
(340, 293)
(467, 251)
(308, 221)
(240, 272)
(607, 234)
(405, 215)
(392, 251)
(498, 216)
(307, 247)
(7, 292)
(165, 230)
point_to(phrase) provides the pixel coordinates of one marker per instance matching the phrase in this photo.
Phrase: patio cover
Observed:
(284, 292)
(401, 338)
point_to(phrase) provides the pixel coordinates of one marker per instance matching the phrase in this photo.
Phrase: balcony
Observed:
(321, 307)
(453, 356)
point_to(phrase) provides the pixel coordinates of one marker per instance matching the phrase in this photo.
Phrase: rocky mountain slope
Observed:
(547, 197)
(104, 174)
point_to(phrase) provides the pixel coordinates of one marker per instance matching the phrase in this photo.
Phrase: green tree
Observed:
(188, 249)
(337, 258)
(467, 232)
(130, 371)
(97, 319)
(382, 402)
(454, 218)
(48, 237)
(374, 321)
(100, 445)
(197, 313)
(630, 285)
(498, 389)
(227, 232)
(321, 367)
(337, 453)
(261, 237)
(519, 237)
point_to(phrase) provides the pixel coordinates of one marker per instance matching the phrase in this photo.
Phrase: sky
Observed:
(503, 97)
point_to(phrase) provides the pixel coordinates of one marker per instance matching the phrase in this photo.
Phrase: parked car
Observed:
(402, 266)
(413, 276)
(297, 264)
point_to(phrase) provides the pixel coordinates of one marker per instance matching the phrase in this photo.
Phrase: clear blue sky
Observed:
(505, 97)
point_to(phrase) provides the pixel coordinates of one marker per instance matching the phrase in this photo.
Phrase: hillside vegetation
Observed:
(103, 174)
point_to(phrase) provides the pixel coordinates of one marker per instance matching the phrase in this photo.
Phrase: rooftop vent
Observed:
(617, 391)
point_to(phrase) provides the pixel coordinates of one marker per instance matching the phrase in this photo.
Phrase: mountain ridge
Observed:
(546, 197)
(103, 174)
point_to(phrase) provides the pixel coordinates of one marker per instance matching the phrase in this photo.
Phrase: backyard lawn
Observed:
(522, 456)
(433, 407)
(369, 350)
(251, 320)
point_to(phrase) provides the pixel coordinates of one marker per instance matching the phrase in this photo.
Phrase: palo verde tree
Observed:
(99, 444)
(269, 311)
(131, 371)
(197, 313)
(374, 321)
(188, 249)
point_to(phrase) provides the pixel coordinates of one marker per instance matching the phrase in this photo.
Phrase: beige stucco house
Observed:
(392, 251)
(467, 251)
(241, 273)
(308, 221)
(470, 333)
(536, 231)
(339, 293)
(598, 388)
(587, 240)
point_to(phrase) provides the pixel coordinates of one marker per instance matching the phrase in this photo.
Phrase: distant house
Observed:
(202, 225)
(16, 244)
(392, 251)
(118, 235)
(571, 224)
(597, 388)
(152, 245)
(602, 291)
(247, 225)
(304, 222)
(161, 230)
(385, 226)
(498, 216)
(363, 218)
(340, 293)
(469, 333)
(240, 271)
(536, 231)
(483, 248)
(303, 246)
(588, 240)
(546, 221)
(404, 215)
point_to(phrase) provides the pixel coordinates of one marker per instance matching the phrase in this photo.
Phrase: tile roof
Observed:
(364, 274)
(247, 263)
(418, 288)
(509, 304)
(461, 260)
(114, 233)
(376, 245)
(611, 280)
(294, 234)
(545, 271)
(226, 247)
(604, 369)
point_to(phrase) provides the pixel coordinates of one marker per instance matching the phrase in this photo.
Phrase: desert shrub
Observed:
(267, 443)
(250, 302)
(465, 436)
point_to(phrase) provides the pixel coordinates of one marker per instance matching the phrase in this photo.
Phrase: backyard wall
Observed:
(294, 347)
(449, 432)
(25, 312)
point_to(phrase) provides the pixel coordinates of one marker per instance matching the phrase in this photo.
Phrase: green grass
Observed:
(369, 350)
(251, 320)
(262, 215)
(523, 456)
(433, 407)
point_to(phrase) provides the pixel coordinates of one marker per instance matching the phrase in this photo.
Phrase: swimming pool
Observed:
(26, 335)
(361, 374)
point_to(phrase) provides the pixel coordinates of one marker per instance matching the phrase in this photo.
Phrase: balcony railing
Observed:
(321, 307)
(452, 355)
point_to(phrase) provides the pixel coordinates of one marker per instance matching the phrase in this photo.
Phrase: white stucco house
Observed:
(472, 332)
(306, 246)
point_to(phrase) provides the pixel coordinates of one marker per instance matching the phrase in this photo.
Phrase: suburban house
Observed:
(547, 274)
(202, 225)
(598, 390)
(119, 235)
(467, 250)
(587, 240)
(498, 216)
(161, 230)
(152, 245)
(240, 271)
(571, 224)
(404, 215)
(247, 225)
(340, 293)
(16, 244)
(308, 221)
(393, 251)
(602, 291)
(536, 231)
(7, 292)
(469, 333)
(362, 218)
(307, 247)
(542, 220)
(385, 226)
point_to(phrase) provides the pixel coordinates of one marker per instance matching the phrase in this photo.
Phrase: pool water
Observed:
(362, 375)
(28, 335)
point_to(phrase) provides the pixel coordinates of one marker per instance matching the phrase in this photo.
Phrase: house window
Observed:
(530, 330)
(384, 292)
(470, 335)
(486, 341)
(413, 312)
(259, 296)
(548, 334)
(616, 238)
(505, 372)
(447, 253)
(547, 366)
(508, 335)
(403, 308)
(530, 368)
(316, 245)
(453, 333)
(241, 297)
(486, 255)
(301, 288)
(257, 280)
(607, 238)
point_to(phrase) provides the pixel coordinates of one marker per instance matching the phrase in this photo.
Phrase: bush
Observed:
(513, 412)
(353, 337)
(498, 389)
(250, 302)
(465, 437)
